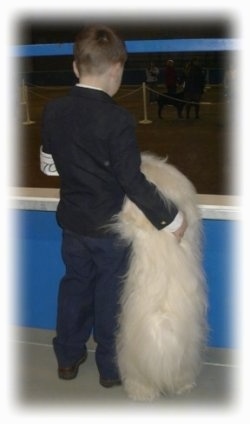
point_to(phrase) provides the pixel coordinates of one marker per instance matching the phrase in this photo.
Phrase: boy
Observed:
(91, 141)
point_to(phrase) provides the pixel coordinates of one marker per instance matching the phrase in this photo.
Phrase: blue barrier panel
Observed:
(40, 268)
(219, 263)
(136, 46)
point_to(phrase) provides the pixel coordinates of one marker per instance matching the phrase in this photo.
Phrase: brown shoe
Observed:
(68, 373)
(109, 383)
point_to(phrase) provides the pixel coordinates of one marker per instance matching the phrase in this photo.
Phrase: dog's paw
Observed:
(185, 388)
(140, 392)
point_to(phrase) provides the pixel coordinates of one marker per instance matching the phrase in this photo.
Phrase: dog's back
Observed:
(162, 321)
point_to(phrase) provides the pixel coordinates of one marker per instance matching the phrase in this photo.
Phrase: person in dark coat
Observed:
(92, 142)
(152, 74)
(194, 87)
(170, 77)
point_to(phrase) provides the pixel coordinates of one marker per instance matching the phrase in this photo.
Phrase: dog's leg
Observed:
(179, 111)
(182, 106)
(140, 391)
(188, 107)
(185, 388)
(137, 386)
(160, 107)
(197, 111)
(186, 381)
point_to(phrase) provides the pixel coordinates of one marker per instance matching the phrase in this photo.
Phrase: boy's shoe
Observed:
(68, 373)
(109, 383)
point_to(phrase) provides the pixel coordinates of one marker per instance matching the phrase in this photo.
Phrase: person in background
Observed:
(229, 81)
(170, 77)
(92, 142)
(152, 74)
(194, 87)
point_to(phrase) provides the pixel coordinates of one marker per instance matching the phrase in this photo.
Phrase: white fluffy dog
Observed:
(162, 328)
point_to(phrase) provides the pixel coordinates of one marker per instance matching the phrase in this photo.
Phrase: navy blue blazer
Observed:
(93, 144)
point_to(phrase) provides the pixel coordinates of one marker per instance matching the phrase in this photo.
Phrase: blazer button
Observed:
(163, 222)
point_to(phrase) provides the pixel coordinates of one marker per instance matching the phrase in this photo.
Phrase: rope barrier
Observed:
(47, 87)
(39, 95)
(25, 100)
(145, 87)
(128, 94)
(183, 100)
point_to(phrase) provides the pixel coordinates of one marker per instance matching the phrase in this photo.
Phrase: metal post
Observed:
(26, 102)
(145, 120)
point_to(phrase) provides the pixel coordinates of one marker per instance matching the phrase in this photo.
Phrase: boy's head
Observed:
(96, 48)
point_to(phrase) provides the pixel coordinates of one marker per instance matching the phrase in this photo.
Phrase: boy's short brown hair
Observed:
(96, 48)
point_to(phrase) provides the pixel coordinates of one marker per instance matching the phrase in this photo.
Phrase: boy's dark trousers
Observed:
(88, 299)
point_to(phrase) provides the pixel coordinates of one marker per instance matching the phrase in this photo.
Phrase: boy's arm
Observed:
(126, 162)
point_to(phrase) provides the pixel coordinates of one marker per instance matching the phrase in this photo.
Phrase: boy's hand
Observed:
(180, 232)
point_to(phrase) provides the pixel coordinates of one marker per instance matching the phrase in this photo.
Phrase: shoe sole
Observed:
(63, 375)
(109, 383)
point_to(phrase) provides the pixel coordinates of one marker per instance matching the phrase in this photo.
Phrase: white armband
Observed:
(47, 165)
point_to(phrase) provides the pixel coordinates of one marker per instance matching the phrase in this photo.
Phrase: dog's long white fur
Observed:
(162, 324)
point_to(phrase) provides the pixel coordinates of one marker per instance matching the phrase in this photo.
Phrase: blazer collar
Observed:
(90, 93)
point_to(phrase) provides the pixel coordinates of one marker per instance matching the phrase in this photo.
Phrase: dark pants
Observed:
(88, 299)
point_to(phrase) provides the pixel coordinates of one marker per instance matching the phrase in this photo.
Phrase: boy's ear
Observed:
(76, 72)
(115, 68)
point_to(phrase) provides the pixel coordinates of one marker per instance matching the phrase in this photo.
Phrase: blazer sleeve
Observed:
(126, 162)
